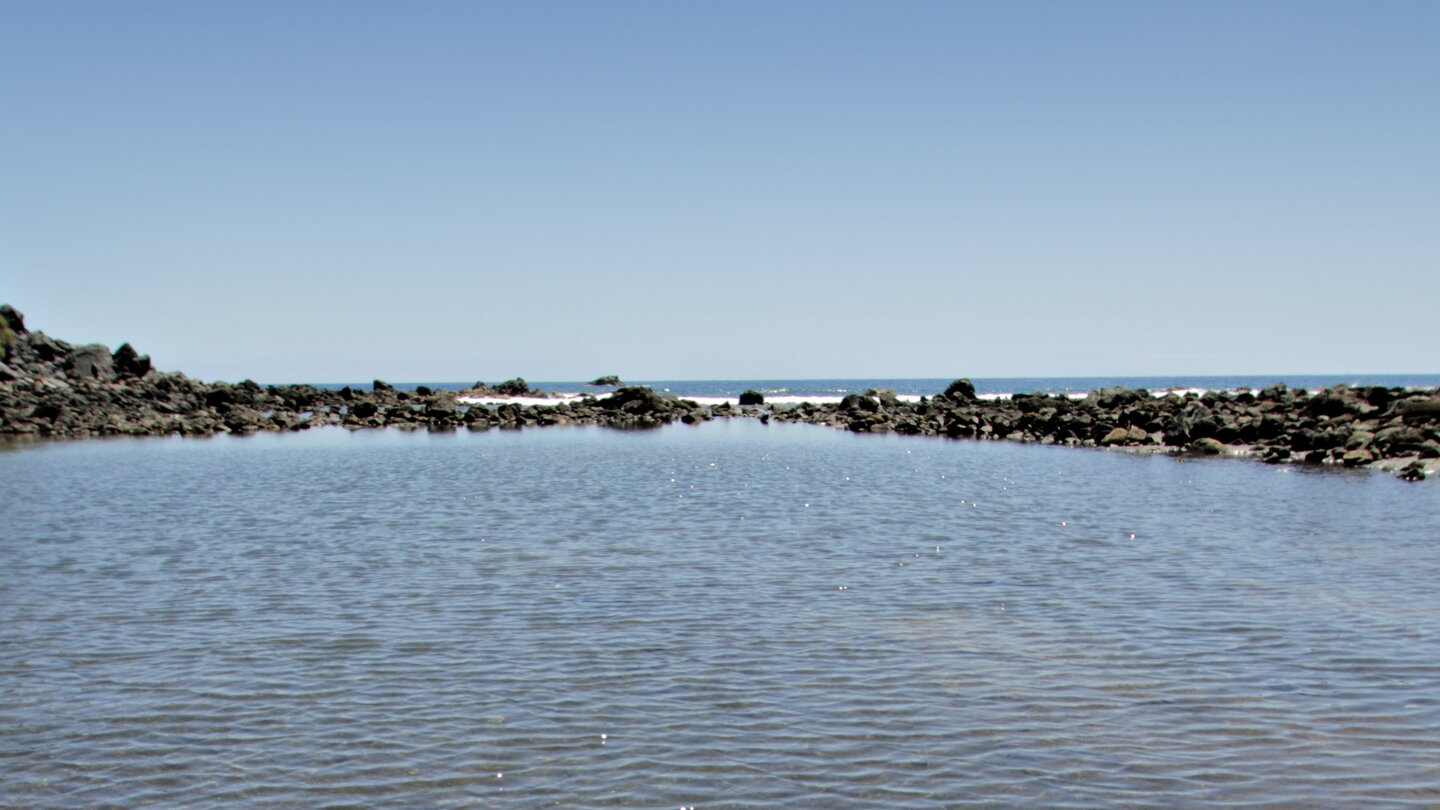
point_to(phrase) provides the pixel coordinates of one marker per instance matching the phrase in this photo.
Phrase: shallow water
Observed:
(730, 615)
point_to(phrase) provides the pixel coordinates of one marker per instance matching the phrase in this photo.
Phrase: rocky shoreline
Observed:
(53, 389)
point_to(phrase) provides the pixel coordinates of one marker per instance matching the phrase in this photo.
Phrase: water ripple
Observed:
(537, 619)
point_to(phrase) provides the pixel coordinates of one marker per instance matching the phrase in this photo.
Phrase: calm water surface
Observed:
(731, 615)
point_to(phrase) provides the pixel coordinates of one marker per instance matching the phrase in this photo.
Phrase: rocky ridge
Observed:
(53, 389)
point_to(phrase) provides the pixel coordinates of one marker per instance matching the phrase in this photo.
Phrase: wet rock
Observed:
(1358, 439)
(1275, 454)
(1207, 446)
(609, 379)
(752, 397)
(1194, 421)
(859, 402)
(639, 407)
(241, 419)
(1399, 440)
(1414, 471)
(1357, 458)
(50, 388)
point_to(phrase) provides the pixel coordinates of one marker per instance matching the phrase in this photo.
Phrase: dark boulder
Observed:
(1419, 409)
(437, 413)
(46, 411)
(1333, 402)
(696, 416)
(885, 396)
(1276, 392)
(1304, 439)
(381, 385)
(248, 392)
(1398, 440)
(1114, 436)
(1378, 395)
(242, 420)
(8, 336)
(1358, 439)
(961, 389)
(130, 363)
(512, 388)
(1193, 422)
(634, 399)
(1357, 458)
(13, 319)
(1271, 426)
(1117, 396)
(1207, 446)
(752, 397)
(859, 402)
(609, 379)
(1030, 403)
(220, 394)
(441, 408)
(38, 346)
(1414, 471)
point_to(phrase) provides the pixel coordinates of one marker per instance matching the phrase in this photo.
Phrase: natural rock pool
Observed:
(725, 615)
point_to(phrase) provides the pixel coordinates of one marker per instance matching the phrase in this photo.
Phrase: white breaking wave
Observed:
(790, 400)
(708, 402)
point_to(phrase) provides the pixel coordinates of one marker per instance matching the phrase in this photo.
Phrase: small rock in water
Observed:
(1414, 471)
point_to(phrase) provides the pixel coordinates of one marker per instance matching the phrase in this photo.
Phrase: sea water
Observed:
(832, 390)
(725, 615)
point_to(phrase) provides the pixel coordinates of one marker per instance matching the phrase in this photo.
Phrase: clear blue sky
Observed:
(333, 191)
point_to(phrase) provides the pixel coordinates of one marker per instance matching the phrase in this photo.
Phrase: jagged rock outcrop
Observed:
(510, 388)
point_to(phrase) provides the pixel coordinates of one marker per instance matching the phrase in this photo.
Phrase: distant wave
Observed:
(832, 390)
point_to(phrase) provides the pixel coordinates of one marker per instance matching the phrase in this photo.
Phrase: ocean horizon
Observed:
(929, 386)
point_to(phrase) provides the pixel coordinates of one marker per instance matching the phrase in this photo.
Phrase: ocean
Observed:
(730, 614)
(820, 390)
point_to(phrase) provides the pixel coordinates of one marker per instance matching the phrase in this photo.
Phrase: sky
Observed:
(454, 191)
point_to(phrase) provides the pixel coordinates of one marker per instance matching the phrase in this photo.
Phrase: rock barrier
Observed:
(53, 389)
